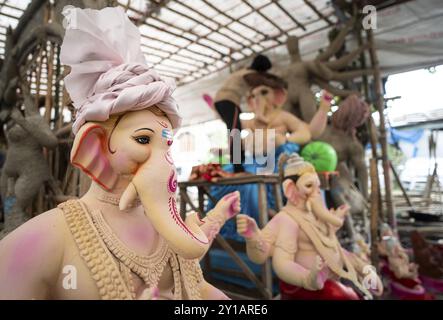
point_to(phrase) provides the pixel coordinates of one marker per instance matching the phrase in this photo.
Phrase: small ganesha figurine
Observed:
(398, 260)
(124, 239)
(301, 239)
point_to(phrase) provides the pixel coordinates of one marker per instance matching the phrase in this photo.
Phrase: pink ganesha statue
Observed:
(124, 239)
(301, 239)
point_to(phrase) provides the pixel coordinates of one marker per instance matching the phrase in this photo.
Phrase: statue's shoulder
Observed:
(49, 223)
(42, 238)
(285, 218)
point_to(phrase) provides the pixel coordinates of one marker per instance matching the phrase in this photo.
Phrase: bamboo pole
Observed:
(402, 188)
(374, 141)
(379, 102)
(374, 211)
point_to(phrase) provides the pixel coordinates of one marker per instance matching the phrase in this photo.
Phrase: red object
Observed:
(414, 293)
(405, 288)
(432, 284)
(210, 172)
(332, 290)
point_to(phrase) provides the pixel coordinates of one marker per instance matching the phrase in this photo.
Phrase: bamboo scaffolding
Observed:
(258, 11)
(237, 20)
(219, 26)
(204, 24)
(198, 73)
(379, 102)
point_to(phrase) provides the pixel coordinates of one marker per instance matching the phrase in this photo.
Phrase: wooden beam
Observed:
(264, 17)
(9, 16)
(183, 36)
(374, 221)
(219, 26)
(318, 13)
(205, 25)
(192, 41)
(203, 70)
(400, 184)
(7, 5)
(238, 20)
(290, 16)
(267, 49)
(245, 268)
(178, 49)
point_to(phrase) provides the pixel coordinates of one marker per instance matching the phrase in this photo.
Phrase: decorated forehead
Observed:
(109, 74)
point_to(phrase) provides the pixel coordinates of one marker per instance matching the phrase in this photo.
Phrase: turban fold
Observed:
(109, 73)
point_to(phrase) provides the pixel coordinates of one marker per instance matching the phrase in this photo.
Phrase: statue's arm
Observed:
(300, 132)
(346, 59)
(226, 208)
(30, 258)
(259, 243)
(318, 123)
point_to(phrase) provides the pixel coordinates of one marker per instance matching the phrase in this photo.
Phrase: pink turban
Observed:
(109, 73)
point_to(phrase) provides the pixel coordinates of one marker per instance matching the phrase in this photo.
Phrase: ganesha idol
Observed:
(402, 274)
(272, 132)
(281, 130)
(301, 240)
(124, 239)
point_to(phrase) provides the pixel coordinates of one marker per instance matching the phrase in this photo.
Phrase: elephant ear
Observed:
(280, 96)
(289, 189)
(88, 153)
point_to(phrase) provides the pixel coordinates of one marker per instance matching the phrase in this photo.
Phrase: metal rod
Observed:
(263, 221)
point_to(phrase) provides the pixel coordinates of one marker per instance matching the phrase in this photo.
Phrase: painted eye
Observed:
(264, 92)
(143, 139)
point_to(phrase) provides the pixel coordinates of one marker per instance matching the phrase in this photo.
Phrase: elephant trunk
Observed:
(155, 183)
(325, 215)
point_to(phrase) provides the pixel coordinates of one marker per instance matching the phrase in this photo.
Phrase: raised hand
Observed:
(246, 226)
(228, 206)
(341, 211)
(325, 101)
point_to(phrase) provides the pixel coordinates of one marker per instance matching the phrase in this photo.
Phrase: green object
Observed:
(321, 155)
